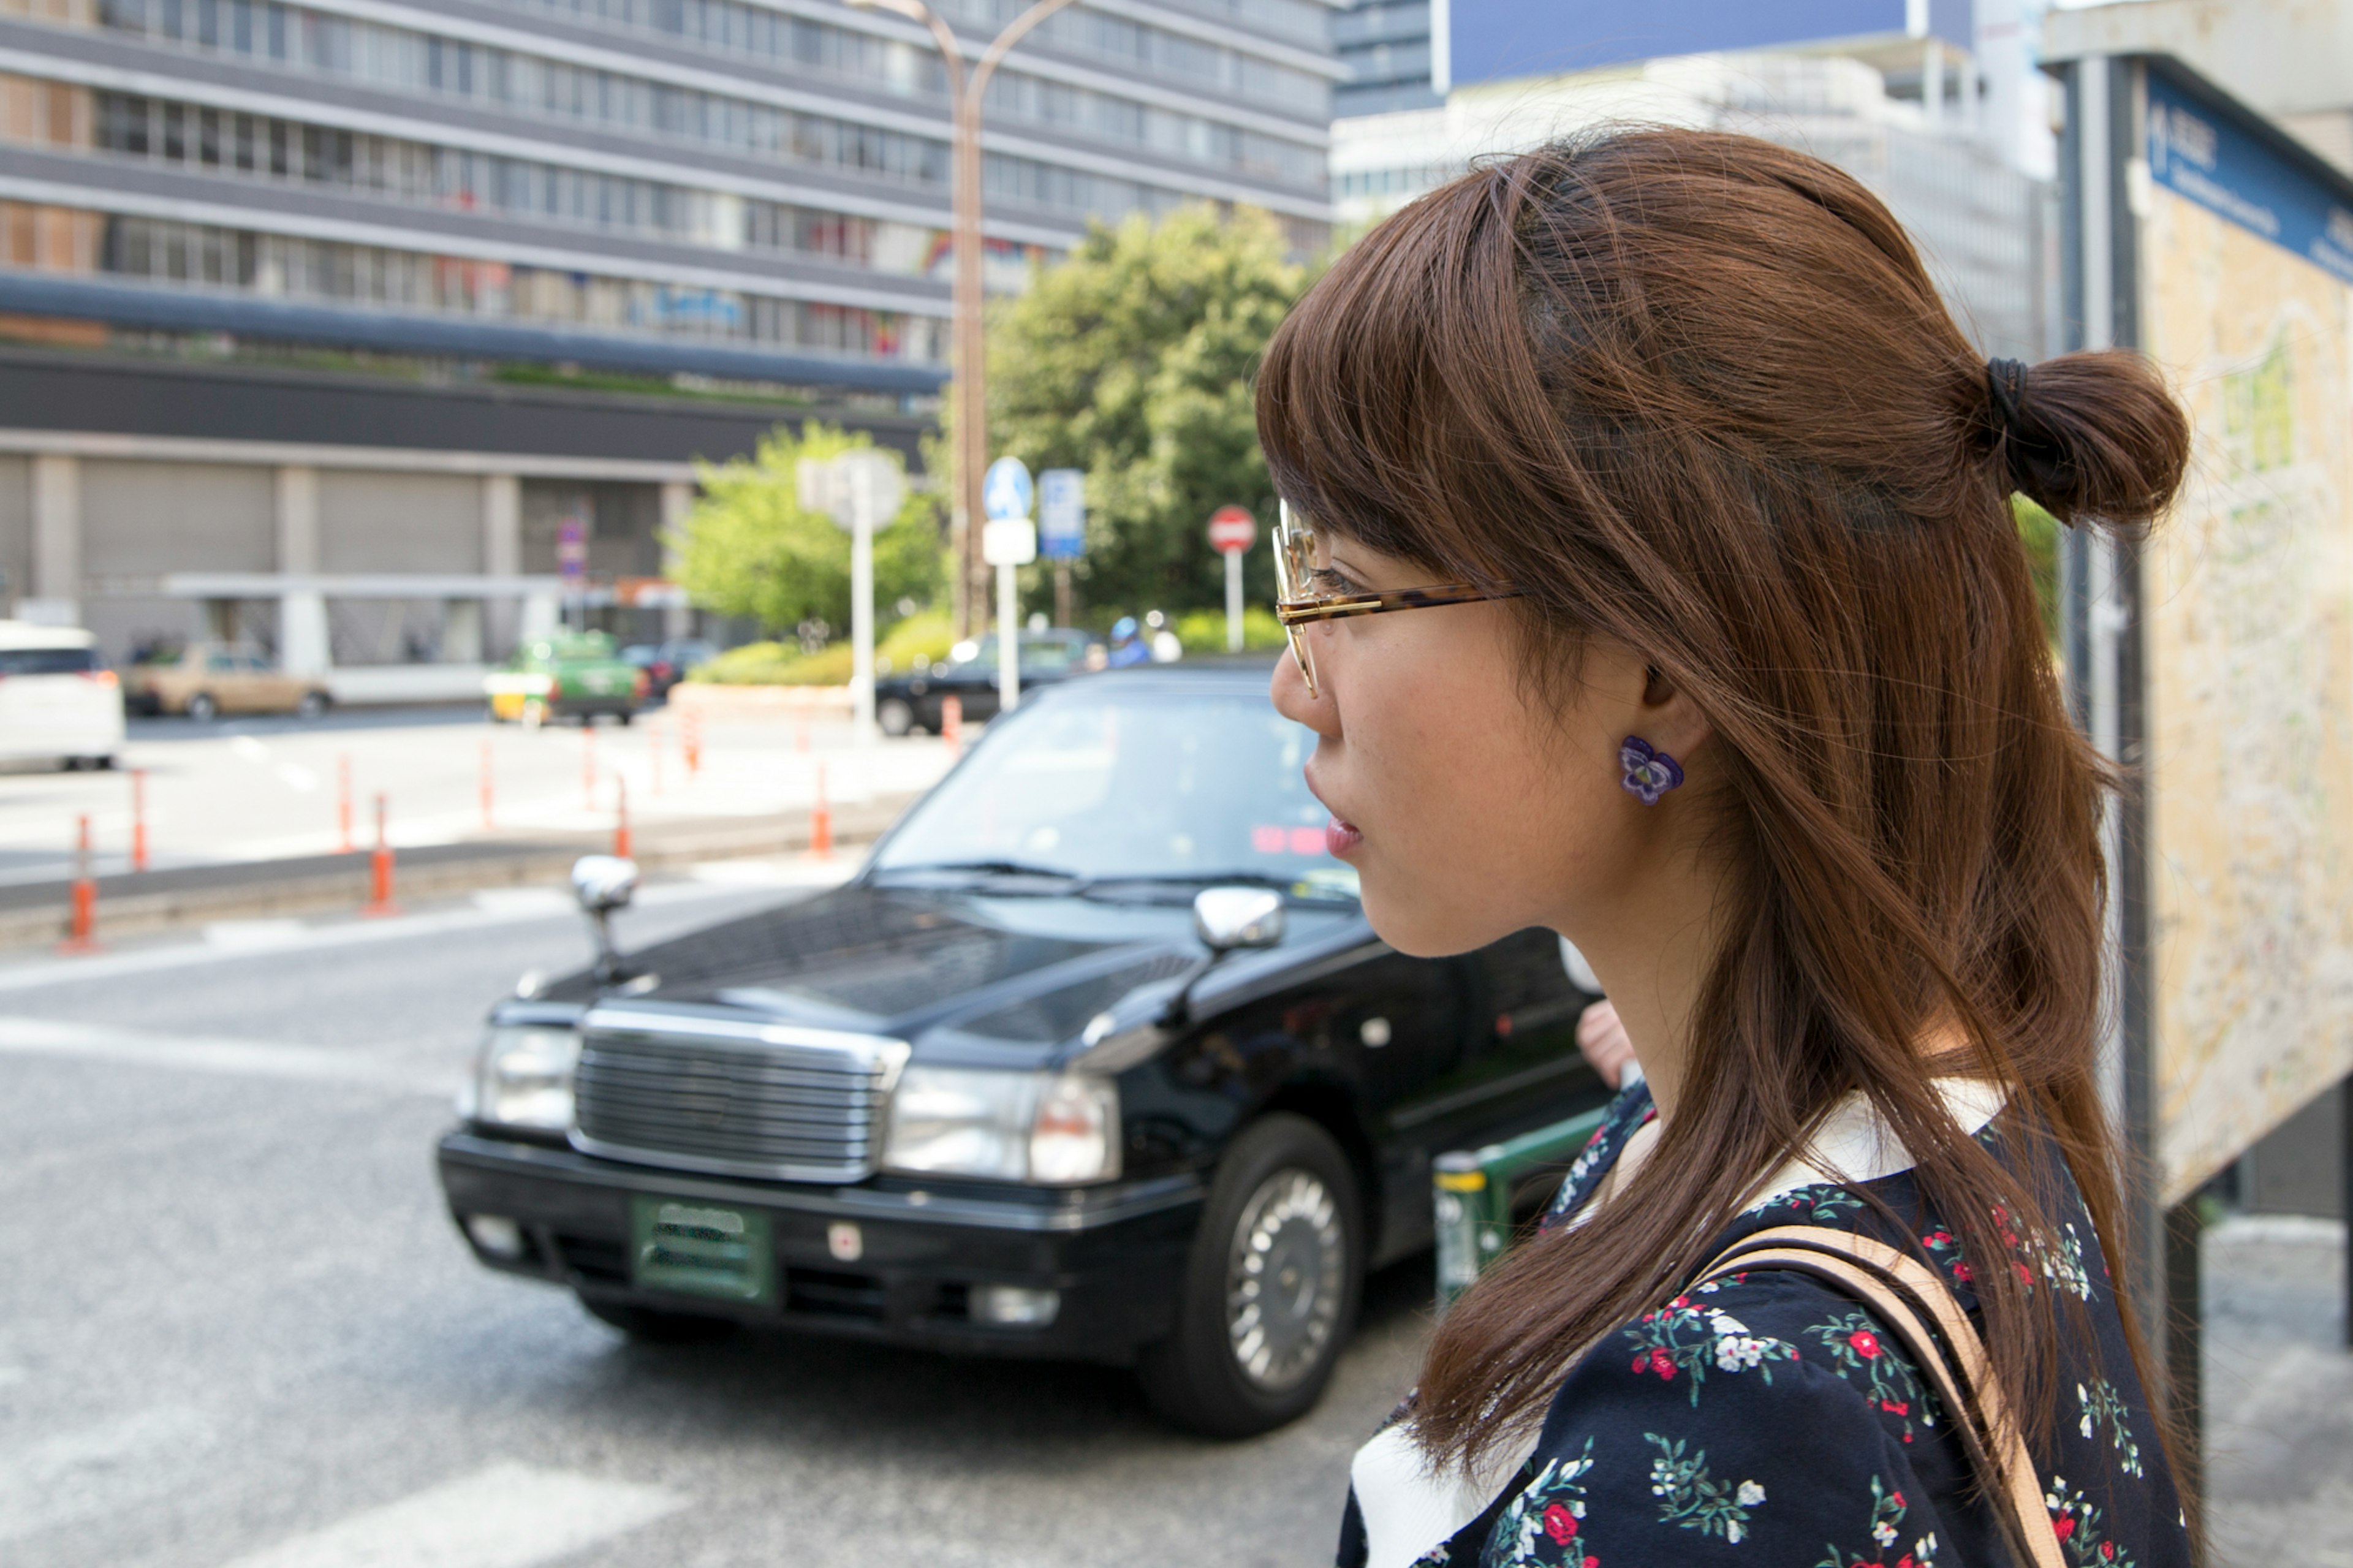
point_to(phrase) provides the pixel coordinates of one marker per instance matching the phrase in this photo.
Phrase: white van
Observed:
(58, 699)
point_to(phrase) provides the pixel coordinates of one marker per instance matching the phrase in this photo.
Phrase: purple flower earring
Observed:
(1649, 773)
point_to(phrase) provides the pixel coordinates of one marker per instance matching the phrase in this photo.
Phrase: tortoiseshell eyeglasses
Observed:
(1298, 603)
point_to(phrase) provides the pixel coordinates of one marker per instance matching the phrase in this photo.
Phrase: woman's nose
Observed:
(1293, 700)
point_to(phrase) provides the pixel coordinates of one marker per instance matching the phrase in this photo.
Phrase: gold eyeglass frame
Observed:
(1294, 557)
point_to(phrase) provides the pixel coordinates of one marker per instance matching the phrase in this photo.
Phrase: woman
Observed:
(1727, 666)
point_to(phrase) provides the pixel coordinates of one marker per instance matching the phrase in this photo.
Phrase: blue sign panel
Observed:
(2200, 150)
(1494, 40)
(1061, 514)
(1006, 492)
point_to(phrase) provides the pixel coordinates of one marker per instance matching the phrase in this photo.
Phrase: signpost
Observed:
(1232, 531)
(1009, 539)
(1062, 529)
(572, 557)
(862, 490)
(2212, 241)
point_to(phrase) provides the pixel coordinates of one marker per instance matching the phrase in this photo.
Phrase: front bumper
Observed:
(1116, 1255)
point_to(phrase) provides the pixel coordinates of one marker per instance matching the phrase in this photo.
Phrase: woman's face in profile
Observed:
(1469, 811)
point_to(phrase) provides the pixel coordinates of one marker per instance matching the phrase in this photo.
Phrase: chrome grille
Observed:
(730, 1097)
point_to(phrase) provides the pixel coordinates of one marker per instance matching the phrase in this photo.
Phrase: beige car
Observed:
(206, 679)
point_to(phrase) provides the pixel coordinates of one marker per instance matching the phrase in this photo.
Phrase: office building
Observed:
(324, 316)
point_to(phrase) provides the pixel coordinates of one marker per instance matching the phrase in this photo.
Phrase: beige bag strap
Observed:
(1915, 1304)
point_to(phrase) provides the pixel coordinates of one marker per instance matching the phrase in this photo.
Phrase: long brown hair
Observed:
(1696, 393)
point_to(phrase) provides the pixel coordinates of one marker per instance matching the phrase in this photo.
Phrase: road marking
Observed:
(506, 1516)
(202, 1053)
(86, 1471)
(246, 935)
(252, 750)
(524, 900)
(34, 973)
(295, 776)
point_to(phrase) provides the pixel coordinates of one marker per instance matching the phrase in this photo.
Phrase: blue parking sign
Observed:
(1061, 514)
(1006, 492)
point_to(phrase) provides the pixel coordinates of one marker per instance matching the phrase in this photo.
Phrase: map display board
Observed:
(2246, 299)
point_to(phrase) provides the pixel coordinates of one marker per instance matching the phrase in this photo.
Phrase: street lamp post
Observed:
(966, 97)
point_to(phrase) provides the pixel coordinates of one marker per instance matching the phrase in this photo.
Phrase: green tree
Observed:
(1134, 360)
(747, 547)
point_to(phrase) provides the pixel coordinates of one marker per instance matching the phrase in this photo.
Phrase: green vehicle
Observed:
(569, 675)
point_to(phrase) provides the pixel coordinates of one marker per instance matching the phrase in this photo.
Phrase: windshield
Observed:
(1144, 785)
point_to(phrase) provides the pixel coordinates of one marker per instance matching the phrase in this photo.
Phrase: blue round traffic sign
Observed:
(1005, 494)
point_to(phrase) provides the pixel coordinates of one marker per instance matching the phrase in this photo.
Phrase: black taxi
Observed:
(1096, 1057)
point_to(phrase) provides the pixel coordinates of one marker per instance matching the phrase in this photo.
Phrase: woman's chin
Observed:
(1407, 923)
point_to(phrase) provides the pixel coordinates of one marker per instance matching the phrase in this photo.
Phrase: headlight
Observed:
(1056, 1129)
(524, 1076)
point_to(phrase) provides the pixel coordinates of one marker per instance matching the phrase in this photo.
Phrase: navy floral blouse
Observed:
(1767, 1421)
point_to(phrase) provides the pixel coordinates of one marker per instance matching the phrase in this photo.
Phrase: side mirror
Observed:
(604, 883)
(1229, 918)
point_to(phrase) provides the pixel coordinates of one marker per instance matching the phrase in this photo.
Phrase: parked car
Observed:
(571, 675)
(1096, 1058)
(668, 663)
(913, 699)
(58, 699)
(206, 679)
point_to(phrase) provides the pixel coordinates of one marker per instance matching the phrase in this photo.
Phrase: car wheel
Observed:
(895, 717)
(625, 716)
(1271, 1288)
(650, 1326)
(203, 708)
(312, 705)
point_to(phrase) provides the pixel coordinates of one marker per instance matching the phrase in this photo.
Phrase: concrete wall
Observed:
(142, 520)
(399, 522)
(16, 530)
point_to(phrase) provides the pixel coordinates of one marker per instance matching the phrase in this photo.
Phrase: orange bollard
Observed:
(952, 725)
(487, 815)
(690, 742)
(138, 819)
(820, 820)
(380, 867)
(588, 763)
(343, 804)
(621, 817)
(81, 927)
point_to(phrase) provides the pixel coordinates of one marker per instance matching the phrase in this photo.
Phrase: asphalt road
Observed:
(237, 1327)
(236, 1330)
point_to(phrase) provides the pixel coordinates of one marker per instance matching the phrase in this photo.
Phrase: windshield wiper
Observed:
(985, 868)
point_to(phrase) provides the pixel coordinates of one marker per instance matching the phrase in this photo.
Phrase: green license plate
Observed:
(701, 1249)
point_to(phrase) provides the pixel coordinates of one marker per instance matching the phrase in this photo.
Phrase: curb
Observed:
(35, 914)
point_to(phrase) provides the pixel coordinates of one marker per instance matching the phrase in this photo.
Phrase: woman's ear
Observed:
(1669, 721)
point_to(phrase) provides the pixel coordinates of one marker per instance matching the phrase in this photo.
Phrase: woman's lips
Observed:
(1340, 836)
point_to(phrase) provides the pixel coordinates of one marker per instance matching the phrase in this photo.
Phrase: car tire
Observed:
(313, 706)
(895, 717)
(1284, 1230)
(203, 708)
(625, 716)
(648, 1325)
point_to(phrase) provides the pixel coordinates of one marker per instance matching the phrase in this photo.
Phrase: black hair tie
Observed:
(2006, 380)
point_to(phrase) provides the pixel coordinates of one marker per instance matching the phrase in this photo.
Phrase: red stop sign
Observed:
(1232, 529)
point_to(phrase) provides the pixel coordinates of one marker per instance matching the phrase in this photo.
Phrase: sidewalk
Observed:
(2279, 1393)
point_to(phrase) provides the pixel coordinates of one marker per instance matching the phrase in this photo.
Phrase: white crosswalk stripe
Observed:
(505, 1516)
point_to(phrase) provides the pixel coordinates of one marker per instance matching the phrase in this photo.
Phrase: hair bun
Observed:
(2091, 437)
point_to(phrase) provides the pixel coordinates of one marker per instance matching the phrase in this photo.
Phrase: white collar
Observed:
(1855, 1144)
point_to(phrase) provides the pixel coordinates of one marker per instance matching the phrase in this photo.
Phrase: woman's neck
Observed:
(1653, 955)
